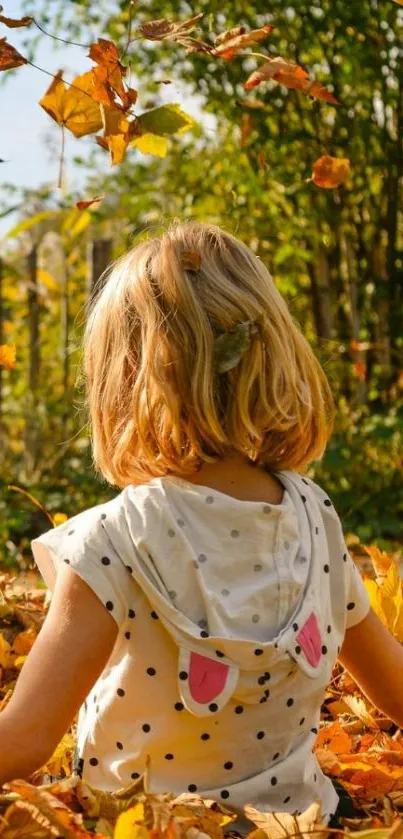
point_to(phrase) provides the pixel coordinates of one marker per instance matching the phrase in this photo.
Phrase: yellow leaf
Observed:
(129, 826)
(47, 280)
(151, 144)
(20, 661)
(6, 658)
(59, 518)
(7, 355)
(61, 757)
(73, 106)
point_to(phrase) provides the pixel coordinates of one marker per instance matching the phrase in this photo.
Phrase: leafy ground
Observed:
(355, 744)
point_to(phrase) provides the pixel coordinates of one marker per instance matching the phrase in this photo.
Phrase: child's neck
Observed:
(235, 476)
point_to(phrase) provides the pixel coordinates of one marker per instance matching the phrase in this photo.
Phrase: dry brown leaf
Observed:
(13, 23)
(290, 75)
(67, 824)
(90, 202)
(229, 43)
(169, 30)
(9, 56)
(280, 825)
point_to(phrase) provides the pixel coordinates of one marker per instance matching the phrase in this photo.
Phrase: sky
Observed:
(29, 139)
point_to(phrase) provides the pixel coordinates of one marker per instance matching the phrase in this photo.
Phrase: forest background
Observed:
(245, 162)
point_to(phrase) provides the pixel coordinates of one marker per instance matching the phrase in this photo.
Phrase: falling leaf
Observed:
(290, 75)
(230, 346)
(360, 369)
(329, 172)
(191, 261)
(83, 205)
(13, 23)
(251, 103)
(229, 43)
(8, 354)
(9, 56)
(117, 134)
(73, 106)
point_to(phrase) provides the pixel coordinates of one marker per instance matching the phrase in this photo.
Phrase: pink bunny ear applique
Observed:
(310, 640)
(205, 684)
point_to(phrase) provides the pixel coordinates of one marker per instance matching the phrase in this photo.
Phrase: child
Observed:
(197, 616)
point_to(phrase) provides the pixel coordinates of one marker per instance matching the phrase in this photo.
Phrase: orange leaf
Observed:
(360, 369)
(7, 356)
(334, 738)
(73, 106)
(92, 202)
(13, 23)
(290, 75)
(234, 40)
(24, 641)
(9, 56)
(108, 76)
(329, 172)
(374, 782)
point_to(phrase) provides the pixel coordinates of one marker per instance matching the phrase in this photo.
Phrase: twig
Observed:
(32, 500)
(129, 33)
(54, 76)
(61, 159)
(56, 37)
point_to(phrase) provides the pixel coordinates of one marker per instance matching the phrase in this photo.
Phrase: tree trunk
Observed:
(64, 323)
(1, 337)
(322, 308)
(395, 273)
(33, 321)
(99, 257)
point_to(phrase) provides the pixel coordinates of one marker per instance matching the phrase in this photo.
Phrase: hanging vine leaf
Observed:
(74, 106)
(289, 75)
(108, 76)
(9, 56)
(229, 43)
(13, 23)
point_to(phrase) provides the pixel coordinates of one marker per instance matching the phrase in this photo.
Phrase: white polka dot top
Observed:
(231, 615)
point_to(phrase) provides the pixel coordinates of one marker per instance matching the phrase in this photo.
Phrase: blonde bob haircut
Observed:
(157, 404)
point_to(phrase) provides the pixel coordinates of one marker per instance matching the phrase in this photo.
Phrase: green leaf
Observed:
(28, 223)
(151, 144)
(165, 120)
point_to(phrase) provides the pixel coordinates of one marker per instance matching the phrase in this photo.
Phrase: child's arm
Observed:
(375, 661)
(69, 655)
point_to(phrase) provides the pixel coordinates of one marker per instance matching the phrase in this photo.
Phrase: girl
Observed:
(197, 616)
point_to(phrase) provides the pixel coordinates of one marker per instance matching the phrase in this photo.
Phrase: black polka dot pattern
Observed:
(290, 702)
(192, 788)
(327, 502)
(151, 671)
(154, 616)
(134, 776)
(228, 764)
(93, 761)
(183, 675)
(105, 560)
(287, 799)
(260, 735)
(273, 781)
(179, 706)
(67, 561)
(224, 793)
(326, 569)
(119, 745)
(109, 605)
(146, 727)
(239, 709)
(205, 737)
(258, 651)
(169, 756)
(132, 613)
(128, 635)
(120, 692)
(350, 606)
(213, 707)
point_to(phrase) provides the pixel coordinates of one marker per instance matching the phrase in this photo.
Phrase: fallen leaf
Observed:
(24, 641)
(68, 825)
(191, 260)
(230, 346)
(334, 738)
(82, 205)
(74, 106)
(229, 43)
(13, 23)
(8, 355)
(280, 825)
(329, 172)
(9, 56)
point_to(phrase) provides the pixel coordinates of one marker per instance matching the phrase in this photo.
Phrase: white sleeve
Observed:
(83, 543)
(357, 599)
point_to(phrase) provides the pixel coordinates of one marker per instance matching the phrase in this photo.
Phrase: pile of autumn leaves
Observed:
(102, 100)
(356, 744)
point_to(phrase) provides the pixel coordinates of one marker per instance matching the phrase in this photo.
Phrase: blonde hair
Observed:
(156, 402)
